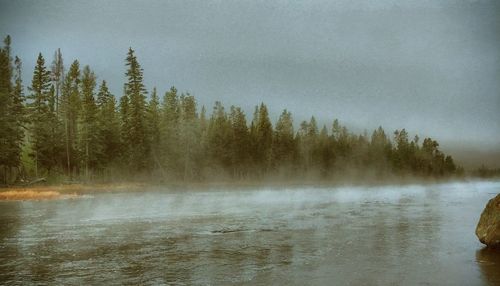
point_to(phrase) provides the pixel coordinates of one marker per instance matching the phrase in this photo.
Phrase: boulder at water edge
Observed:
(488, 227)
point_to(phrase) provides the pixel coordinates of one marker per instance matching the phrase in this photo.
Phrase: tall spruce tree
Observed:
(124, 130)
(45, 127)
(219, 139)
(57, 74)
(108, 127)
(7, 117)
(170, 133)
(154, 132)
(89, 145)
(240, 142)
(264, 139)
(283, 142)
(136, 92)
(189, 134)
(70, 108)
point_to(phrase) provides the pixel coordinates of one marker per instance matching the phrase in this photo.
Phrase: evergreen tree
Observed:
(45, 127)
(153, 120)
(109, 126)
(8, 140)
(70, 105)
(264, 139)
(124, 130)
(57, 74)
(189, 134)
(284, 147)
(89, 145)
(170, 132)
(240, 142)
(136, 92)
(219, 139)
(17, 112)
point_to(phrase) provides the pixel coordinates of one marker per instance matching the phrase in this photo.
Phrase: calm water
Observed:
(410, 235)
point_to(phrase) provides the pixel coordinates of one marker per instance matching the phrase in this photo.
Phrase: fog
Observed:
(402, 235)
(429, 66)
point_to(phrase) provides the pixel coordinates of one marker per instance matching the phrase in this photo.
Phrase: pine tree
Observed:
(45, 128)
(153, 120)
(124, 131)
(283, 141)
(136, 92)
(17, 111)
(108, 126)
(7, 118)
(264, 139)
(89, 145)
(240, 142)
(170, 133)
(189, 134)
(219, 139)
(70, 105)
(57, 75)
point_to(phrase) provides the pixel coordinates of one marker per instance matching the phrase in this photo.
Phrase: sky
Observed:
(432, 67)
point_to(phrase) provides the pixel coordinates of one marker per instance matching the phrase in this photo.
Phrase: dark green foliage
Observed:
(90, 146)
(45, 128)
(219, 139)
(240, 143)
(11, 110)
(108, 127)
(70, 104)
(137, 139)
(170, 152)
(263, 138)
(75, 131)
(284, 145)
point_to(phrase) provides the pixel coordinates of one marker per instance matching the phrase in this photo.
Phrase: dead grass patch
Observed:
(18, 195)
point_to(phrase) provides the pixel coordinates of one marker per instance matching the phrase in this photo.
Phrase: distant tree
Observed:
(136, 93)
(170, 132)
(263, 138)
(9, 142)
(70, 105)
(219, 138)
(380, 152)
(284, 145)
(45, 127)
(57, 75)
(124, 131)
(240, 142)
(189, 134)
(108, 127)
(89, 144)
(153, 120)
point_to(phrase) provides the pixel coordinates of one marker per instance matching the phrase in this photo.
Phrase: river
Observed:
(384, 235)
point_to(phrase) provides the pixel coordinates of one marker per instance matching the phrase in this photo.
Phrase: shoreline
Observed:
(75, 190)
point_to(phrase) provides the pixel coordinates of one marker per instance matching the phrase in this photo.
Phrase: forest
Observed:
(66, 126)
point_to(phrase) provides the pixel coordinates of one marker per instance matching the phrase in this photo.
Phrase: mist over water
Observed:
(401, 235)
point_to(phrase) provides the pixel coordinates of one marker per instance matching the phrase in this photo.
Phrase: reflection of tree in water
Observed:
(9, 251)
(488, 260)
(243, 256)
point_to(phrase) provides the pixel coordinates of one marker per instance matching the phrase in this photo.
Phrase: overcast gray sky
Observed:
(430, 66)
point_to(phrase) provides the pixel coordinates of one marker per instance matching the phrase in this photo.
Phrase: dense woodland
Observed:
(67, 126)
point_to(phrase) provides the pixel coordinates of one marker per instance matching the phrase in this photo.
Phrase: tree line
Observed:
(68, 125)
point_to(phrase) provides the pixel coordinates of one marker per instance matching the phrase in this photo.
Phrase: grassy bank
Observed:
(58, 191)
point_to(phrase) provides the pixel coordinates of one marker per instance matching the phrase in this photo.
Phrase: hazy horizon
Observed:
(432, 68)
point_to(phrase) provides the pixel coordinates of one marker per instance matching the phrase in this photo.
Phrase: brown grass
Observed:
(62, 191)
(17, 195)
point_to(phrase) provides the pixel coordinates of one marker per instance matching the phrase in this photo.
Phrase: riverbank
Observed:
(73, 190)
(47, 192)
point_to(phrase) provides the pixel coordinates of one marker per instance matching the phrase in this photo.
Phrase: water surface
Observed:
(392, 235)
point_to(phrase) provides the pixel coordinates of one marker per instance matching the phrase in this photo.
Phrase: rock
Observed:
(488, 227)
